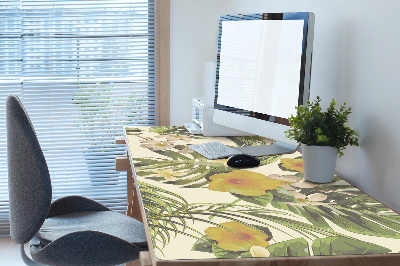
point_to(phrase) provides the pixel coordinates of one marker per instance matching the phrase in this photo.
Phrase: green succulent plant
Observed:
(312, 126)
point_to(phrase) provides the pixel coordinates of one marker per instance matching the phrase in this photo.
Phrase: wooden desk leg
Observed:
(133, 263)
(122, 163)
(144, 260)
(129, 193)
(133, 200)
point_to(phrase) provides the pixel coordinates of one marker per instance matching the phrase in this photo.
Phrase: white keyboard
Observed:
(214, 150)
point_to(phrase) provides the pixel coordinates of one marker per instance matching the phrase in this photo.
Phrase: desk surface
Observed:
(201, 209)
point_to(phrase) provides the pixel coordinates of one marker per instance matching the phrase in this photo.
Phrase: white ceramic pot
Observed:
(319, 163)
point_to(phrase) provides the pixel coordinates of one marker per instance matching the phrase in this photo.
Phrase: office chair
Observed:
(70, 231)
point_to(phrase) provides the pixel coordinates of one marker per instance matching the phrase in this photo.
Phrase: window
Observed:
(83, 69)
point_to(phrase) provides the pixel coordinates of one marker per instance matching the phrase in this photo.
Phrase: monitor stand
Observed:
(263, 150)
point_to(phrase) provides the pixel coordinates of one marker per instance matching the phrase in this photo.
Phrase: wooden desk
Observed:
(202, 212)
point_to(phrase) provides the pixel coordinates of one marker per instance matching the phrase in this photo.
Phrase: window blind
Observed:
(83, 69)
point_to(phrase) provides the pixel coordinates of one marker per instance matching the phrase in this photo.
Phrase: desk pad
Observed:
(199, 209)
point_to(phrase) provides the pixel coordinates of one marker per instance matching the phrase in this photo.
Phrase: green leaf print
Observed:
(356, 222)
(262, 200)
(250, 140)
(289, 248)
(311, 213)
(345, 246)
(133, 131)
(173, 155)
(246, 255)
(224, 254)
(305, 218)
(281, 197)
(264, 229)
(204, 244)
(173, 130)
(190, 173)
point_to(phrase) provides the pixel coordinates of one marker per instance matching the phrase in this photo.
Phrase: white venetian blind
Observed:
(83, 69)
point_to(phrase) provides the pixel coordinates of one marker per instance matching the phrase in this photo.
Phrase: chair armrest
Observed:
(72, 204)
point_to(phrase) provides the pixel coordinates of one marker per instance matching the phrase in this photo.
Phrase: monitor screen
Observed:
(260, 63)
(263, 71)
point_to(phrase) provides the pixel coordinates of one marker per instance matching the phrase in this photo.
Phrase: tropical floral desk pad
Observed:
(199, 209)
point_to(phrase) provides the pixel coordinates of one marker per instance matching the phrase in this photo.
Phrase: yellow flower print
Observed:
(243, 182)
(168, 174)
(292, 164)
(239, 237)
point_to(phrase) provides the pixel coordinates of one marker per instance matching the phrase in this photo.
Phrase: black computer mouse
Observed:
(242, 160)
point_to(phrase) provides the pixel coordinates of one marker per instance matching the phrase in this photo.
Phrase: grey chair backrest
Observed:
(29, 183)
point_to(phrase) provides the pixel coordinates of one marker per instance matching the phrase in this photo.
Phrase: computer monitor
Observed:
(263, 73)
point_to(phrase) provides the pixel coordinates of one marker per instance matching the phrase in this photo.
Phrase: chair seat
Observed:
(108, 222)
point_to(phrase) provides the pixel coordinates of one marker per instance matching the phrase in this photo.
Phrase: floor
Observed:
(9, 253)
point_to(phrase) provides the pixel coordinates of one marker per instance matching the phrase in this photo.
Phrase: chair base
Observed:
(26, 259)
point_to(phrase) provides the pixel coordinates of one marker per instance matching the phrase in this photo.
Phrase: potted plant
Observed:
(323, 135)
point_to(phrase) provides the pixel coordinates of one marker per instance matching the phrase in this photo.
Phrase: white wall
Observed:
(355, 60)
(194, 41)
